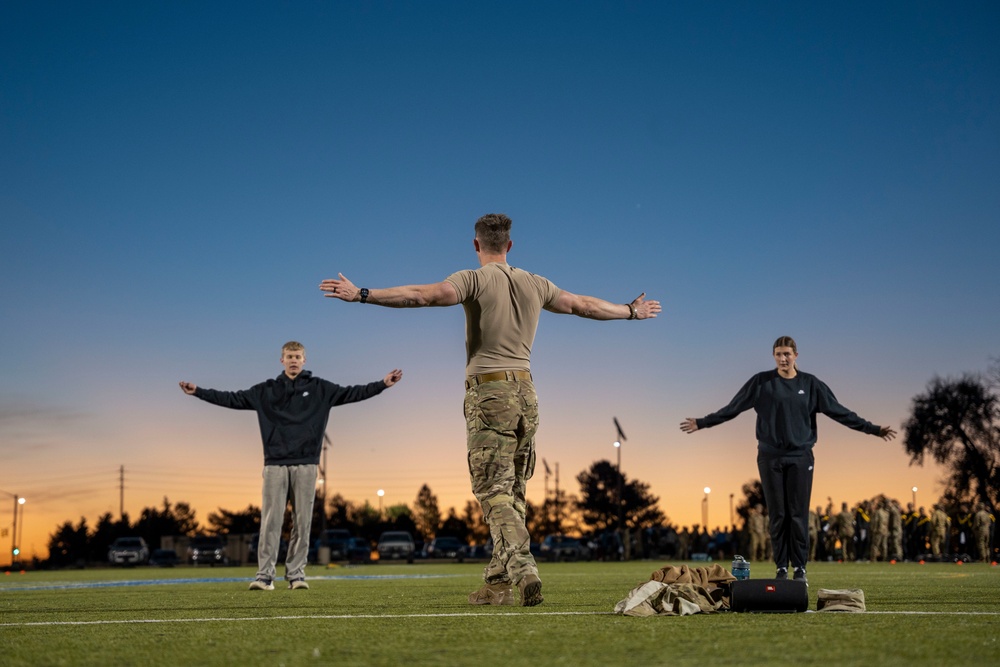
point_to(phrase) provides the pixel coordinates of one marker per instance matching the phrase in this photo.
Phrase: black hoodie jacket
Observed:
(292, 413)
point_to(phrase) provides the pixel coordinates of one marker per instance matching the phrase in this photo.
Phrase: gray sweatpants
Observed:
(280, 484)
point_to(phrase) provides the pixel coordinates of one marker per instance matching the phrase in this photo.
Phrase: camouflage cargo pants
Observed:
(501, 420)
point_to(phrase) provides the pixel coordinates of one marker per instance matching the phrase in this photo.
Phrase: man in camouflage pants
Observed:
(502, 307)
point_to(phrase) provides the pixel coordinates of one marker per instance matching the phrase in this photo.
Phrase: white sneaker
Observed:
(261, 585)
(297, 584)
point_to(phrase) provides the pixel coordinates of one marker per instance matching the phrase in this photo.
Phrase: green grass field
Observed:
(934, 614)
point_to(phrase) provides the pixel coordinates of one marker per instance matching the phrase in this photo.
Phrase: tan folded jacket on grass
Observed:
(679, 591)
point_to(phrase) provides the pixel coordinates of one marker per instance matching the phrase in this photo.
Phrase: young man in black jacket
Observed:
(292, 411)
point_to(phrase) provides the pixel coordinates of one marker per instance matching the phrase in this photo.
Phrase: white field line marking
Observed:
(303, 617)
(454, 615)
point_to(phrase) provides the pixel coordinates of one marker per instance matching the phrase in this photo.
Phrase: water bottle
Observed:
(741, 568)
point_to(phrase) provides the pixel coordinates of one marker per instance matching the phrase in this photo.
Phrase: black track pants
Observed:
(787, 483)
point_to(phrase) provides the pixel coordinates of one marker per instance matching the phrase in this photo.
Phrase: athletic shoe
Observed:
(495, 594)
(800, 575)
(530, 588)
(782, 573)
(261, 585)
(297, 584)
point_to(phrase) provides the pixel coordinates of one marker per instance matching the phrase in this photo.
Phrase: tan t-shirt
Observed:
(502, 305)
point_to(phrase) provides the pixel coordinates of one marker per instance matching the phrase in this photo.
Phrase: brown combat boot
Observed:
(496, 594)
(530, 588)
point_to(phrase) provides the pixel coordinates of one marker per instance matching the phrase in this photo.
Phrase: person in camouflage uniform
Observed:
(982, 529)
(814, 528)
(502, 306)
(845, 530)
(895, 530)
(938, 531)
(880, 531)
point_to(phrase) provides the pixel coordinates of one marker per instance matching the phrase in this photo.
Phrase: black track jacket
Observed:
(292, 413)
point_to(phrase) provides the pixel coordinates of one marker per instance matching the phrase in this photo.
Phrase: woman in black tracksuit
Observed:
(786, 401)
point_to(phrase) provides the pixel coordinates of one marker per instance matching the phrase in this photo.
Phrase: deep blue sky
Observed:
(176, 178)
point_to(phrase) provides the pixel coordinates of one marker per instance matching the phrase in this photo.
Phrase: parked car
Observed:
(128, 551)
(446, 547)
(337, 539)
(359, 550)
(561, 547)
(252, 549)
(207, 550)
(396, 545)
(164, 558)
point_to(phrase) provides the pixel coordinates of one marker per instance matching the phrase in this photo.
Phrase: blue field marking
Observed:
(208, 580)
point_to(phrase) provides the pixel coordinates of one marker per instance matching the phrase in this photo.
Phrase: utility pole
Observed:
(558, 501)
(327, 443)
(121, 492)
(547, 473)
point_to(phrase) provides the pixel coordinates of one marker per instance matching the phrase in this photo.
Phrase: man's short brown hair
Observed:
(293, 345)
(493, 232)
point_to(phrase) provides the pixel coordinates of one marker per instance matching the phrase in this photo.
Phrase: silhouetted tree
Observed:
(598, 502)
(454, 526)
(244, 522)
(339, 511)
(98, 541)
(399, 517)
(753, 494)
(557, 515)
(68, 545)
(472, 515)
(958, 423)
(154, 524)
(426, 513)
(187, 524)
(366, 522)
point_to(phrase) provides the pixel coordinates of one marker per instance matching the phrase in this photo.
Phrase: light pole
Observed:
(380, 492)
(20, 531)
(618, 447)
(914, 489)
(704, 509)
(732, 515)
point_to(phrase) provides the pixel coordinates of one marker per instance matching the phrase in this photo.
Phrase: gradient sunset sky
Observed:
(176, 179)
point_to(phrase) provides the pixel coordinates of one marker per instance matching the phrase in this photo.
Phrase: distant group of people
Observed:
(881, 530)
(871, 530)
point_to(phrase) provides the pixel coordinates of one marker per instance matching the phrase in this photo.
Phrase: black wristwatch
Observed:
(364, 295)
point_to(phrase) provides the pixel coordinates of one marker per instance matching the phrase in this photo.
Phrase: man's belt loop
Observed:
(473, 380)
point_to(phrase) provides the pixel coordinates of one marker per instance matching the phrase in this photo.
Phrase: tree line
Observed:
(594, 510)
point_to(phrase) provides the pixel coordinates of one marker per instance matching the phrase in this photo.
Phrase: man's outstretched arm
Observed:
(406, 296)
(598, 309)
